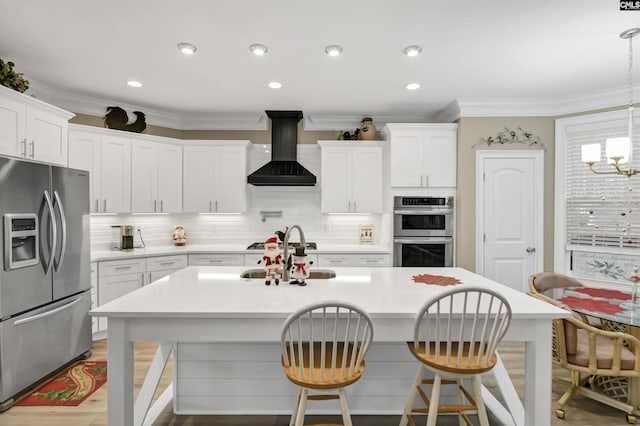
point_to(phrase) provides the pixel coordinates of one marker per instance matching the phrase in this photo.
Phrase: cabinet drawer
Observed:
(335, 260)
(120, 267)
(376, 260)
(216, 259)
(162, 263)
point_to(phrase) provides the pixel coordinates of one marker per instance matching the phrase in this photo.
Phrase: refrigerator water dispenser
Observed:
(20, 240)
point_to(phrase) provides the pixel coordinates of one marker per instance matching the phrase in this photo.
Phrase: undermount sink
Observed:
(318, 274)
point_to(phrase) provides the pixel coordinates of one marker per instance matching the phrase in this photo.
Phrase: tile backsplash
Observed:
(299, 205)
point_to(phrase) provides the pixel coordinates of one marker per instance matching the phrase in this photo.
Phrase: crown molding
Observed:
(81, 104)
(589, 101)
(462, 107)
(331, 122)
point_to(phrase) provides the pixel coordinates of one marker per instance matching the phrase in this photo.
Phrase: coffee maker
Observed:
(126, 237)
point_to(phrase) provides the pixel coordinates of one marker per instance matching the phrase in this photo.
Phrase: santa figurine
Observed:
(299, 270)
(272, 261)
(179, 236)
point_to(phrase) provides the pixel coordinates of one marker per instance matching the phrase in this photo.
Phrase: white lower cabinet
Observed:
(219, 259)
(161, 266)
(325, 260)
(354, 260)
(93, 267)
(373, 260)
(117, 278)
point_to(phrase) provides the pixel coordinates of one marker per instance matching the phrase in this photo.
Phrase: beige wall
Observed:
(470, 131)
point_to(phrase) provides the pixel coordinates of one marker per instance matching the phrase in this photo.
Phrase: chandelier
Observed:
(618, 150)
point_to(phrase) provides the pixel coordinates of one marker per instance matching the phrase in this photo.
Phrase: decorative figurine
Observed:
(272, 261)
(300, 268)
(179, 236)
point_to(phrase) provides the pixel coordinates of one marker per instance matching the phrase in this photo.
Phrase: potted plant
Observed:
(12, 79)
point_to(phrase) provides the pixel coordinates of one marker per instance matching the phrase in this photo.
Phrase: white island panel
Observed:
(214, 305)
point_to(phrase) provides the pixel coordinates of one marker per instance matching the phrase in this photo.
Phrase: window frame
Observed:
(562, 251)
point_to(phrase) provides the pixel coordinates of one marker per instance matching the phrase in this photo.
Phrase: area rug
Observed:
(70, 387)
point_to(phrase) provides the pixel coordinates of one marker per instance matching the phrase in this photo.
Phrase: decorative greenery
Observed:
(512, 136)
(12, 79)
(608, 269)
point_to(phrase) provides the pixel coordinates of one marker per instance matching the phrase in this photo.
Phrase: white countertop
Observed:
(98, 255)
(210, 292)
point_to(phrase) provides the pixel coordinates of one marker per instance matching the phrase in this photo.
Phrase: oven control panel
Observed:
(423, 201)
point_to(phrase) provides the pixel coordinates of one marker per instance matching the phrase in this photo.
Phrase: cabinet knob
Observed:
(531, 249)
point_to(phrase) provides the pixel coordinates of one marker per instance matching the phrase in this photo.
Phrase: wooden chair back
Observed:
(324, 344)
(460, 329)
(545, 281)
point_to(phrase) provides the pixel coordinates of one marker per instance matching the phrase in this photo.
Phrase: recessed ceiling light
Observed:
(275, 85)
(412, 86)
(187, 48)
(134, 83)
(258, 49)
(412, 50)
(333, 50)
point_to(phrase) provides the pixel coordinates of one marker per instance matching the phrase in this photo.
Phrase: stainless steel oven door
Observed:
(424, 252)
(423, 222)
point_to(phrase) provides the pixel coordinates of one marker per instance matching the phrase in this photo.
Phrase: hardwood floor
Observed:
(92, 412)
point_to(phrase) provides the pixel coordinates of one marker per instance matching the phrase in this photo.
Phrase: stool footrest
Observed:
(323, 397)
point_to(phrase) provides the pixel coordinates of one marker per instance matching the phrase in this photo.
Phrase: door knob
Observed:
(531, 249)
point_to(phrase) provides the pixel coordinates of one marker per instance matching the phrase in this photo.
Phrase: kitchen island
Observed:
(215, 307)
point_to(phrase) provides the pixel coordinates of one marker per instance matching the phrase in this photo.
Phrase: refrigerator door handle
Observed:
(63, 221)
(54, 231)
(46, 314)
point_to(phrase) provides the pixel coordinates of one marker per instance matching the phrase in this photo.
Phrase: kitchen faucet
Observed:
(303, 243)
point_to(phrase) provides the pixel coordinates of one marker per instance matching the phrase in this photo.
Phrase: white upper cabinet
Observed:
(215, 177)
(107, 157)
(422, 155)
(351, 177)
(32, 129)
(156, 177)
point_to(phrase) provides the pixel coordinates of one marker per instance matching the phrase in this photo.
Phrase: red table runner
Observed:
(604, 293)
(591, 305)
(435, 280)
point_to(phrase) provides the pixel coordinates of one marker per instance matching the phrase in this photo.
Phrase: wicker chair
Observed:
(605, 360)
(456, 346)
(323, 349)
(545, 282)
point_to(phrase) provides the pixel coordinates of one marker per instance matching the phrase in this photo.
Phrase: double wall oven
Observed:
(423, 231)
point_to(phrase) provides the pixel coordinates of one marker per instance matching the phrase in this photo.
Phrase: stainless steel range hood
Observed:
(283, 169)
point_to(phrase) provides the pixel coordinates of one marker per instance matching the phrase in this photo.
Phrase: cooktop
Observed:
(260, 246)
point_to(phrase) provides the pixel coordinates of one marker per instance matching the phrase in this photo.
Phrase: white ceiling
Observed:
(529, 51)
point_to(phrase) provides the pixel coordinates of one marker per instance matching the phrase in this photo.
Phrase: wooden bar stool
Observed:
(323, 349)
(455, 337)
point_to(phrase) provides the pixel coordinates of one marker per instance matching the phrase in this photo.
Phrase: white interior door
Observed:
(509, 211)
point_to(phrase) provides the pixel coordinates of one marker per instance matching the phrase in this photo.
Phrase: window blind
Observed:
(601, 210)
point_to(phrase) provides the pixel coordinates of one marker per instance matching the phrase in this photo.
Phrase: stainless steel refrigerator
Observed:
(44, 280)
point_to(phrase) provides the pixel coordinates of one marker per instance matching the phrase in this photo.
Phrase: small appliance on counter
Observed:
(126, 237)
